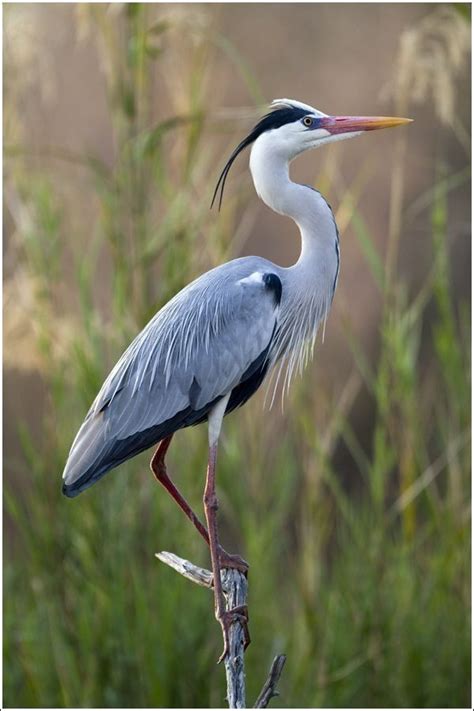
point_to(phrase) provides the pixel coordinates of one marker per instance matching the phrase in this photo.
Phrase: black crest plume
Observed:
(274, 119)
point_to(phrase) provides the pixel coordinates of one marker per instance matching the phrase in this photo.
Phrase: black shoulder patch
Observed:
(273, 284)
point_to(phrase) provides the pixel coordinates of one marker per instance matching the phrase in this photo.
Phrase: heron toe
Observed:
(229, 617)
(232, 560)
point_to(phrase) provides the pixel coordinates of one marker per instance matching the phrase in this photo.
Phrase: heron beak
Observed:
(353, 124)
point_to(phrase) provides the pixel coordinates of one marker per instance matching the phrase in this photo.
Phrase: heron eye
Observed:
(308, 121)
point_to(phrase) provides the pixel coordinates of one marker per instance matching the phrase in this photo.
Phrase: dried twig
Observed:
(200, 576)
(269, 688)
(234, 585)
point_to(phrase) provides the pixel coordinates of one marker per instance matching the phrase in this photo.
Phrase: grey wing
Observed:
(194, 351)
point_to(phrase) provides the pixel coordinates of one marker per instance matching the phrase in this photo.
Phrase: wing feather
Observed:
(195, 350)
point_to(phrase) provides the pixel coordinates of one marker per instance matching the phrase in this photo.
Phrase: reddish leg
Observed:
(158, 467)
(211, 504)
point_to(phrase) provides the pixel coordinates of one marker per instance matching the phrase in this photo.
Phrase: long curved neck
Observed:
(312, 214)
(309, 285)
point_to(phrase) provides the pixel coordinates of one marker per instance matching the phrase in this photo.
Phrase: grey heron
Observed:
(208, 350)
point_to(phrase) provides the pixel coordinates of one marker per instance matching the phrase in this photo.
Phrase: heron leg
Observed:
(225, 617)
(158, 467)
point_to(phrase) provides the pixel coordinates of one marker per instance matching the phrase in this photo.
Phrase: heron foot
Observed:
(232, 560)
(229, 617)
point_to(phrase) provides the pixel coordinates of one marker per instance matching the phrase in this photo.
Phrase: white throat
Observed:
(269, 166)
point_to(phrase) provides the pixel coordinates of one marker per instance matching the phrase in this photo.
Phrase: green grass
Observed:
(359, 551)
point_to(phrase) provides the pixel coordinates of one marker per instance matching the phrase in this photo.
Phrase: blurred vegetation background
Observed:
(352, 504)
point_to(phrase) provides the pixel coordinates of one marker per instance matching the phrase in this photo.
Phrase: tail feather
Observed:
(94, 453)
(87, 460)
(87, 479)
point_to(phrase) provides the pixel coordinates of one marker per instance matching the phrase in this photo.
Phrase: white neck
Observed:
(308, 286)
(270, 173)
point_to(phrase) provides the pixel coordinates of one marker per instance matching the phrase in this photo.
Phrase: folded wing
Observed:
(211, 339)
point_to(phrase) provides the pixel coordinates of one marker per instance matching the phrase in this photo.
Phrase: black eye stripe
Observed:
(275, 119)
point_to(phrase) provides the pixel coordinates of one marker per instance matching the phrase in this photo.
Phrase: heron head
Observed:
(293, 127)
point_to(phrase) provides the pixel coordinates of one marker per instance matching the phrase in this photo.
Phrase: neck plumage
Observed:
(309, 284)
(305, 206)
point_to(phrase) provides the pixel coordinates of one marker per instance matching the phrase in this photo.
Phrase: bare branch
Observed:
(269, 688)
(235, 588)
(234, 584)
(200, 576)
